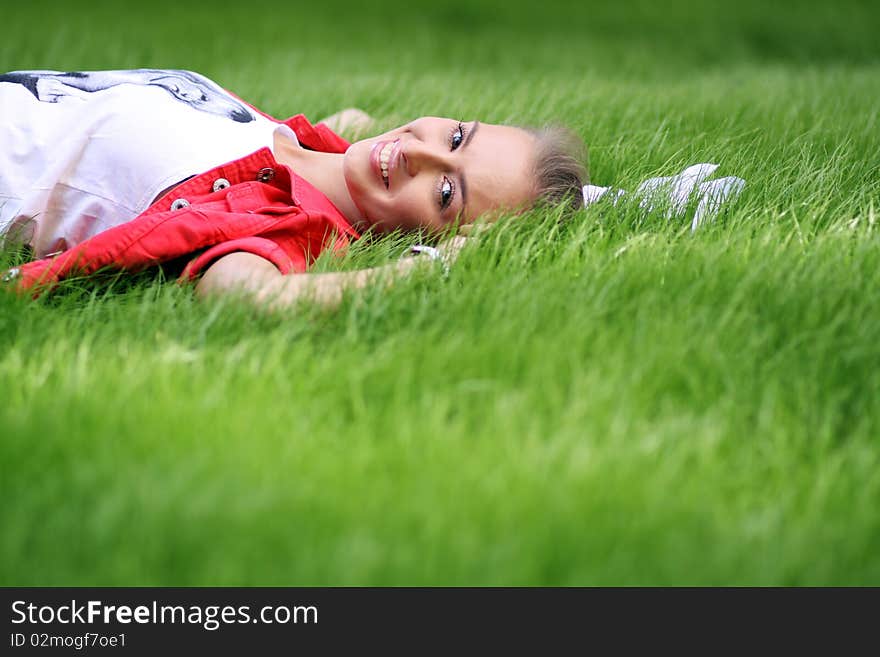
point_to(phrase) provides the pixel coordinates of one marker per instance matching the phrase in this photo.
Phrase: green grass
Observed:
(614, 401)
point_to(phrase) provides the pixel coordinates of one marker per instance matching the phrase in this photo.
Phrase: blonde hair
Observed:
(560, 167)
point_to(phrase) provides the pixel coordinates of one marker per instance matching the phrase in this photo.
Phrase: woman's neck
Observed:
(323, 171)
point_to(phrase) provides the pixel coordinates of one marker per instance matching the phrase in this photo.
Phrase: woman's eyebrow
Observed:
(463, 192)
(470, 134)
(467, 140)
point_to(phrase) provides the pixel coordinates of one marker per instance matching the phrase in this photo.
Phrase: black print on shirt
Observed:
(195, 90)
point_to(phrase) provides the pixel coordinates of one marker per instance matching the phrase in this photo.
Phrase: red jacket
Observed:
(252, 204)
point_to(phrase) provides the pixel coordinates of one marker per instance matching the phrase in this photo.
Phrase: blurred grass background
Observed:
(615, 401)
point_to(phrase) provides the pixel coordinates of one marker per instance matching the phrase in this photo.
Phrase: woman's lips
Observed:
(374, 161)
(393, 161)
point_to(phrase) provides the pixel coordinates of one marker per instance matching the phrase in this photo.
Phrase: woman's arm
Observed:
(259, 281)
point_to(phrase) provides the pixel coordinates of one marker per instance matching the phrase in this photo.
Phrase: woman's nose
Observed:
(421, 156)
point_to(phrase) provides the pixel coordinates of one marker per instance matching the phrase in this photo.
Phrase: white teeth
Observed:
(384, 158)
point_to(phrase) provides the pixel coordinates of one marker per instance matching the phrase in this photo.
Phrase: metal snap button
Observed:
(220, 183)
(11, 274)
(266, 174)
(179, 204)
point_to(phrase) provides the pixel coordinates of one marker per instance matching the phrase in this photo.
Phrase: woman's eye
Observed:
(457, 136)
(447, 191)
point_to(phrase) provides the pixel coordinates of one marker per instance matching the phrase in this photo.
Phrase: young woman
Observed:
(128, 169)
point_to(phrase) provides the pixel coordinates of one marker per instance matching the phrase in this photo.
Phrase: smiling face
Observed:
(427, 173)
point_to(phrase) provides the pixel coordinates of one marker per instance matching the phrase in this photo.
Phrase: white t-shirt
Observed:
(83, 152)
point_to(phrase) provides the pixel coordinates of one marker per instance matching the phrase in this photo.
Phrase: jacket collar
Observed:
(316, 137)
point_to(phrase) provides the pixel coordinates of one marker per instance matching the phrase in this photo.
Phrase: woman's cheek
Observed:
(406, 215)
